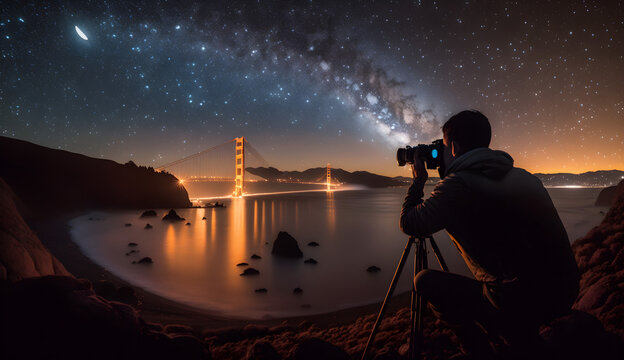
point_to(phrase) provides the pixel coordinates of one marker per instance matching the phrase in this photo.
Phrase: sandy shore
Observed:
(54, 233)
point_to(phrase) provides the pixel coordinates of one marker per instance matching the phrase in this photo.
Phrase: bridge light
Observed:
(180, 181)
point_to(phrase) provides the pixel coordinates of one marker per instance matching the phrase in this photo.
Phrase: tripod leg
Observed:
(438, 254)
(414, 303)
(393, 284)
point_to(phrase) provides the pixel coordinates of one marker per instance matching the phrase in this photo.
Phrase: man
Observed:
(504, 224)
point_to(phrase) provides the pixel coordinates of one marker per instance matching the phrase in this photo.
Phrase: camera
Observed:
(432, 154)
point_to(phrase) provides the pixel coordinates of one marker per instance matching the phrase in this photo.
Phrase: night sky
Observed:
(317, 81)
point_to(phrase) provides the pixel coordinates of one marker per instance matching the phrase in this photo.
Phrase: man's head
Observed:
(465, 131)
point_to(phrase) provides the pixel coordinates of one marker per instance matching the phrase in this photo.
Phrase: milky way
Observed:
(315, 82)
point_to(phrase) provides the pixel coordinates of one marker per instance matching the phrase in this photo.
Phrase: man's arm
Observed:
(423, 218)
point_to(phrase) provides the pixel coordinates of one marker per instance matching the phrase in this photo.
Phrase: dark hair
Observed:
(469, 129)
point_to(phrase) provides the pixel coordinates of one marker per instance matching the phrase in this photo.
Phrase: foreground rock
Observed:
(172, 216)
(600, 257)
(22, 255)
(286, 246)
(59, 317)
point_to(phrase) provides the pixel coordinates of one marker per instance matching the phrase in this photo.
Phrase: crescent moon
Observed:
(81, 34)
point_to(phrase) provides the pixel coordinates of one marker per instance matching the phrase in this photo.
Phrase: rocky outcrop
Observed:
(61, 317)
(600, 257)
(286, 246)
(606, 196)
(22, 255)
(54, 180)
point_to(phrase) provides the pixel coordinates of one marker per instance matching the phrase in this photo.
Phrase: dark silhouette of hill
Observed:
(590, 178)
(319, 174)
(46, 179)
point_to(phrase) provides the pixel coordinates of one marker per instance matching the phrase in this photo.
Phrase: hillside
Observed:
(319, 174)
(46, 179)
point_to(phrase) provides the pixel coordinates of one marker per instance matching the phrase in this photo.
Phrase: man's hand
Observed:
(418, 169)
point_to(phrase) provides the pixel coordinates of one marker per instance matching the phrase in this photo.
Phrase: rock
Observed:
(262, 350)
(127, 295)
(178, 329)
(314, 349)
(313, 244)
(127, 225)
(204, 218)
(254, 256)
(105, 289)
(250, 271)
(148, 226)
(188, 223)
(298, 291)
(311, 261)
(132, 244)
(148, 213)
(145, 260)
(22, 255)
(387, 354)
(132, 252)
(61, 317)
(373, 269)
(242, 264)
(578, 335)
(172, 216)
(286, 246)
(606, 196)
(261, 291)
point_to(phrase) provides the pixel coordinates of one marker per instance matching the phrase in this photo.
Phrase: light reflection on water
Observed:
(196, 264)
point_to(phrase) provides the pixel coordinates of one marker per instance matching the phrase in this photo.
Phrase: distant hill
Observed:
(319, 174)
(601, 178)
(46, 179)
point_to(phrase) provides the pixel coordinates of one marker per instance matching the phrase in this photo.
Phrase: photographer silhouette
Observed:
(504, 224)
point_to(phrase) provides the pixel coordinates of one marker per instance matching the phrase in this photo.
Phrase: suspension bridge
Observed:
(226, 162)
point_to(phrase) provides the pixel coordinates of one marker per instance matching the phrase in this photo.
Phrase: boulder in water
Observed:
(261, 291)
(148, 213)
(148, 226)
(313, 244)
(373, 269)
(172, 216)
(250, 271)
(298, 291)
(255, 257)
(311, 261)
(132, 244)
(286, 246)
(145, 260)
(242, 264)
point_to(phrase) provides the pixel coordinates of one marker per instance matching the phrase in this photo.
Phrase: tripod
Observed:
(416, 304)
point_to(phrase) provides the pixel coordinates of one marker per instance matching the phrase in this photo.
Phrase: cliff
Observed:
(22, 255)
(46, 179)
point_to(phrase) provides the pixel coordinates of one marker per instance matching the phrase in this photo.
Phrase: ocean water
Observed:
(196, 264)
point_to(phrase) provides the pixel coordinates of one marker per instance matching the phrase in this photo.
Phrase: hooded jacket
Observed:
(502, 221)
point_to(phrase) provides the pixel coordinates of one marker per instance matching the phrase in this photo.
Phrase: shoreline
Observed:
(54, 233)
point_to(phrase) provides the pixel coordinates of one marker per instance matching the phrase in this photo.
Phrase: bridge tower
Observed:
(240, 166)
(328, 177)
